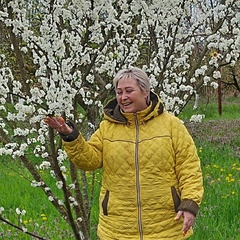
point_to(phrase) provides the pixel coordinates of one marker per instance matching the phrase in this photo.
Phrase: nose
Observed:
(124, 95)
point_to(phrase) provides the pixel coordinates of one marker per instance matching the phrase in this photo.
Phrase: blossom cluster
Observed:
(197, 118)
(77, 47)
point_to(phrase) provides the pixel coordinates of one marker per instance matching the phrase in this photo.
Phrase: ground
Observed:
(217, 131)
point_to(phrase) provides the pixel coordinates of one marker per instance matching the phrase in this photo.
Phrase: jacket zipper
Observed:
(138, 180)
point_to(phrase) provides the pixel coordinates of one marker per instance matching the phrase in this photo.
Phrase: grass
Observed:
(209, 107)
(41, 217)
(218, 217)
(218, 142)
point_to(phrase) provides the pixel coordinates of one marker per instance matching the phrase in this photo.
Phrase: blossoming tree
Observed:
(66, 53)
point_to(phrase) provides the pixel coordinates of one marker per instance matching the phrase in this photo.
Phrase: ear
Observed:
(147, 95)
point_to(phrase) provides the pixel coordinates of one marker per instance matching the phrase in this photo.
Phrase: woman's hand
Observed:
(58, 124)
(188, 220)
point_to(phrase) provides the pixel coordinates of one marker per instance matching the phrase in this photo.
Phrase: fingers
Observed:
(60, 120)
(55, 122)
(179, 215)
(58, 123)
(188, 220)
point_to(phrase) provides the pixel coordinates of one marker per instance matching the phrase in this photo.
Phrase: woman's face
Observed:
(130, 97)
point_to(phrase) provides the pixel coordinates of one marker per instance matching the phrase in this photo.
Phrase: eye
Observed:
(129, 90)
(119, 92)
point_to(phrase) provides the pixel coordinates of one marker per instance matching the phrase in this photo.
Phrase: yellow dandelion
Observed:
(214, 54)
(25, 222)
(227, 179)
(43, 216)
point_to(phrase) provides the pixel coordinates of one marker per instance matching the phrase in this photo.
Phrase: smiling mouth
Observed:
(126, 104)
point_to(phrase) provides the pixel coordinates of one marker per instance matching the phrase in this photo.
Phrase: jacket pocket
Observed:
(176, 198)
(105, 203)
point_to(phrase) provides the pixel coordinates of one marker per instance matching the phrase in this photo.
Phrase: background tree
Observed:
(66, 53)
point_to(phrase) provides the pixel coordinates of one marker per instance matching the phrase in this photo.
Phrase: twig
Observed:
(21, 229)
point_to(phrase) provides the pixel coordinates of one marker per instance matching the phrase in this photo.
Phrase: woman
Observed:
(151, 179)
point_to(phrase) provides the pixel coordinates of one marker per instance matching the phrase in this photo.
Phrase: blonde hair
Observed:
(135, 73)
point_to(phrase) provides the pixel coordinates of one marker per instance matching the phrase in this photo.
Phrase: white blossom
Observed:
(34, 183)
(50, 198)
(61, 156)
(45, 165)
(4, 151)
(46, 189)
(1, 210)
(44, 155)
(192, 80)
(73, 201)
(73, 65)
(214, 85)
(108, 86)
(21, 132)
(72, 186)
(53, 174)
(59, 184)
(206, 79)
(20, 212)
(197, 118)
(217, 74)
(63, 169)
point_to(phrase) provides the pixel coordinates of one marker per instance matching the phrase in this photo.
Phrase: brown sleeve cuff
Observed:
(72, 136)
(189, 206)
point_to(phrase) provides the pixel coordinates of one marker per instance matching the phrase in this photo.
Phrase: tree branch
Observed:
(22, 229)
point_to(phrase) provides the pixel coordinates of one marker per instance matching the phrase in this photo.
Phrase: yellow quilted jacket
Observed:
(150, 171)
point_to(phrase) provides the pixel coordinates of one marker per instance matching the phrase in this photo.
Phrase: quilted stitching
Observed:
(160, 159)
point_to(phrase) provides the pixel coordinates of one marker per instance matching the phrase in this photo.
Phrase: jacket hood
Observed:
(112, 111)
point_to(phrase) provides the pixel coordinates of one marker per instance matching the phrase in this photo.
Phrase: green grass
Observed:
(219, 213)
(41, 216)
(209, 108)
(217, 140)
